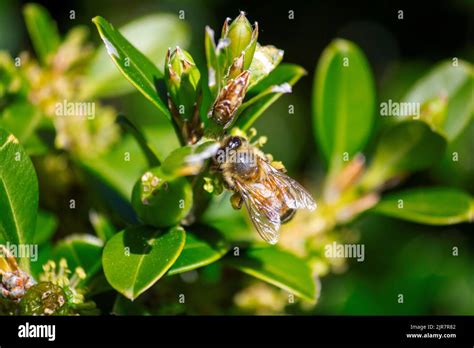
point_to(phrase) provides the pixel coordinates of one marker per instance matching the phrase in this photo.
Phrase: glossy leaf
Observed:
(277, 267)
(265, 93)
(214, 77)
(431, 206)
(343, 101)
(133, 64)
(104, 80)
(406, 147)
(137, 257)
(454, 83)
(204, 245)
(18, 203)
(46, 224)
(80, 251)
(43, 31)
(265, 59)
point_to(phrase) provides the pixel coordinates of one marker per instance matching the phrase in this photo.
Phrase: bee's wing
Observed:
(263, 208)
(295, 195)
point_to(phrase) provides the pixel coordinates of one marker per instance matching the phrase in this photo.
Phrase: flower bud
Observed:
(160, 201)
(182, 81)
(242, 39)
(229, 100)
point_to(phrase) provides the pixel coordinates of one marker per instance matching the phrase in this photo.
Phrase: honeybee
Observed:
(270, 196)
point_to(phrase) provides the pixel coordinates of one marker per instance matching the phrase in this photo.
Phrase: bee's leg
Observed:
(236, 201)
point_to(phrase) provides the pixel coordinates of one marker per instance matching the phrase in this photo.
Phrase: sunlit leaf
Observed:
(277, 267)
(265, 59)
(202, 247)
(343, 102)
(137, 257)
(104, 80)
(432, 206)
(133, 64)
(214, 74)
(18, 202)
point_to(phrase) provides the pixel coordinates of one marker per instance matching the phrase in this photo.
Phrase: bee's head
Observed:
(234, 142)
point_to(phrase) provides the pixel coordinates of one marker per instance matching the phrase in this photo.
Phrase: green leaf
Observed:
(265, 59)
(18, 191)
(147, 150)
(104, 80)
(214, 77)
(80, 251)
(266, 92)
(431, 206)
(137, 257)
(343, 102)
(279, 268)
(46, 224)
(43, 31)
(406, 147)
(455, 83)
(204, 245)
(133, 64)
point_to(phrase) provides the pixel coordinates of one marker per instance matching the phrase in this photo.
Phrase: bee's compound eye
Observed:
(234, 143)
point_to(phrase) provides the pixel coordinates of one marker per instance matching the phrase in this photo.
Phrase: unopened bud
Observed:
(242, 39)
(229, 100)
(182, 81)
